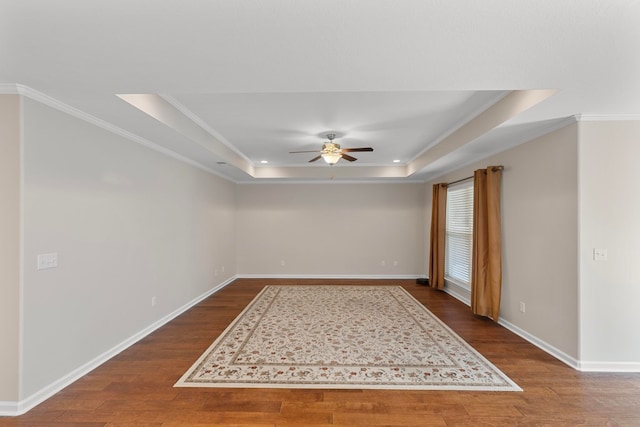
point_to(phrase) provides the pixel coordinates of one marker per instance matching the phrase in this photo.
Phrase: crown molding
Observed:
(197, 120)
(26, 91)
(552, 127)
(606, 117)
(523, 139)
(327, 181)
(9, 89)
(461, 121)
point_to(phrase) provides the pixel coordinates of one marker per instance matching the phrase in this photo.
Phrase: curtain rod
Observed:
(459, 180)
(493, 168)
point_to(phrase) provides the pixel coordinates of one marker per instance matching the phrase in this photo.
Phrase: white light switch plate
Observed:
(599, 254)
(47, 260)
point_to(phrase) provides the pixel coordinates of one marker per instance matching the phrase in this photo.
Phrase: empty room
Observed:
(311, 212)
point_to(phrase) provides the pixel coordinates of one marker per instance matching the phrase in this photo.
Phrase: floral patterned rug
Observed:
(344, 337)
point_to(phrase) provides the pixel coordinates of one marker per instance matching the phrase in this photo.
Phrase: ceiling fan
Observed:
(332, 152)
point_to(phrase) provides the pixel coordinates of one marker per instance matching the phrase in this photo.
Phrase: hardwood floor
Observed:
(136, 387)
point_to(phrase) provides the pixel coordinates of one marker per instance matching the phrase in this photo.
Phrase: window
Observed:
(459, 234)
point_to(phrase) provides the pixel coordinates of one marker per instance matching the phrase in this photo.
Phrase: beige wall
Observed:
(331, 229)
(539, 237)
(128, 224)
(10, 161)
(610, 219)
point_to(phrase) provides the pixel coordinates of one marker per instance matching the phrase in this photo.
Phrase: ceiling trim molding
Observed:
(197, 120)
(26, 91)
(606, 117)
(462, 121)
(528, 137)
(327, 181)
(330, 173)
(9, 89)
(166, 113)
(501, 111)
(173, 114)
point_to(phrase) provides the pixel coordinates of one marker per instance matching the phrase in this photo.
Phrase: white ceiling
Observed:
(425, 82)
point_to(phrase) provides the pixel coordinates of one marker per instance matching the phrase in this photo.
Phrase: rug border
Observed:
(472, 348)
(205, 353)
(182, 381)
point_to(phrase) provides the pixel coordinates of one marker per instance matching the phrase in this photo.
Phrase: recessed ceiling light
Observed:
(264, 162)
(396, 161)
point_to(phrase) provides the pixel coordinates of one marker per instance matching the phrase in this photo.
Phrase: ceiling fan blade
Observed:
(348, 157)
(307, 151)
(314, 159)
(353, 150)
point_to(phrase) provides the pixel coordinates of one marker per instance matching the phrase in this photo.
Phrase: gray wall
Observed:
(128, 224)
(540, 241)
(9, 245)
(610, 219)
(331, 229)
(564, 195)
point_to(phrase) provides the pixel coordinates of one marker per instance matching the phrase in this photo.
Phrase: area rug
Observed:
(342, 337)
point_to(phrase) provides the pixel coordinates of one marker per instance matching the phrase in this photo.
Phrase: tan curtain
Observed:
(438, 230)
(486, 261)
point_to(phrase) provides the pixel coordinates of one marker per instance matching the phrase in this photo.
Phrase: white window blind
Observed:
(459, 233)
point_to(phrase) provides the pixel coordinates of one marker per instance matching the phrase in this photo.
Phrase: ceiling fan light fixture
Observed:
(332, 152)
(331, 158)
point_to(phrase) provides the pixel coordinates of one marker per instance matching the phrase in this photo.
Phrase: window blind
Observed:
(459, 233)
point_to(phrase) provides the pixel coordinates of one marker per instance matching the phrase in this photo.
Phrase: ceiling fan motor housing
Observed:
(330, 147)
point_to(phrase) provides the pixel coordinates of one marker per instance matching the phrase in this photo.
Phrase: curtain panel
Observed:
(437, 237)
(486, 261)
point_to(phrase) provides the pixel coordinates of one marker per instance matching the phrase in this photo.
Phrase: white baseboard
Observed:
(548, 348)
(553, 351)
(580, 365)
(19, 408)
(327, 276)
(609, 366)
(8, 409)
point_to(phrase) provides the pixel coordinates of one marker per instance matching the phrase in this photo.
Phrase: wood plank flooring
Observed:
(136, 387)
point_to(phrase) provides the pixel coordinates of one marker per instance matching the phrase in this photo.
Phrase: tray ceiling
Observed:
(228, 85)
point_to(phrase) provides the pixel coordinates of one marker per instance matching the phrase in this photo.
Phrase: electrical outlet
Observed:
(153, 301)
(282, 263)
(395, 263)
(383, 263)
(522, 307)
